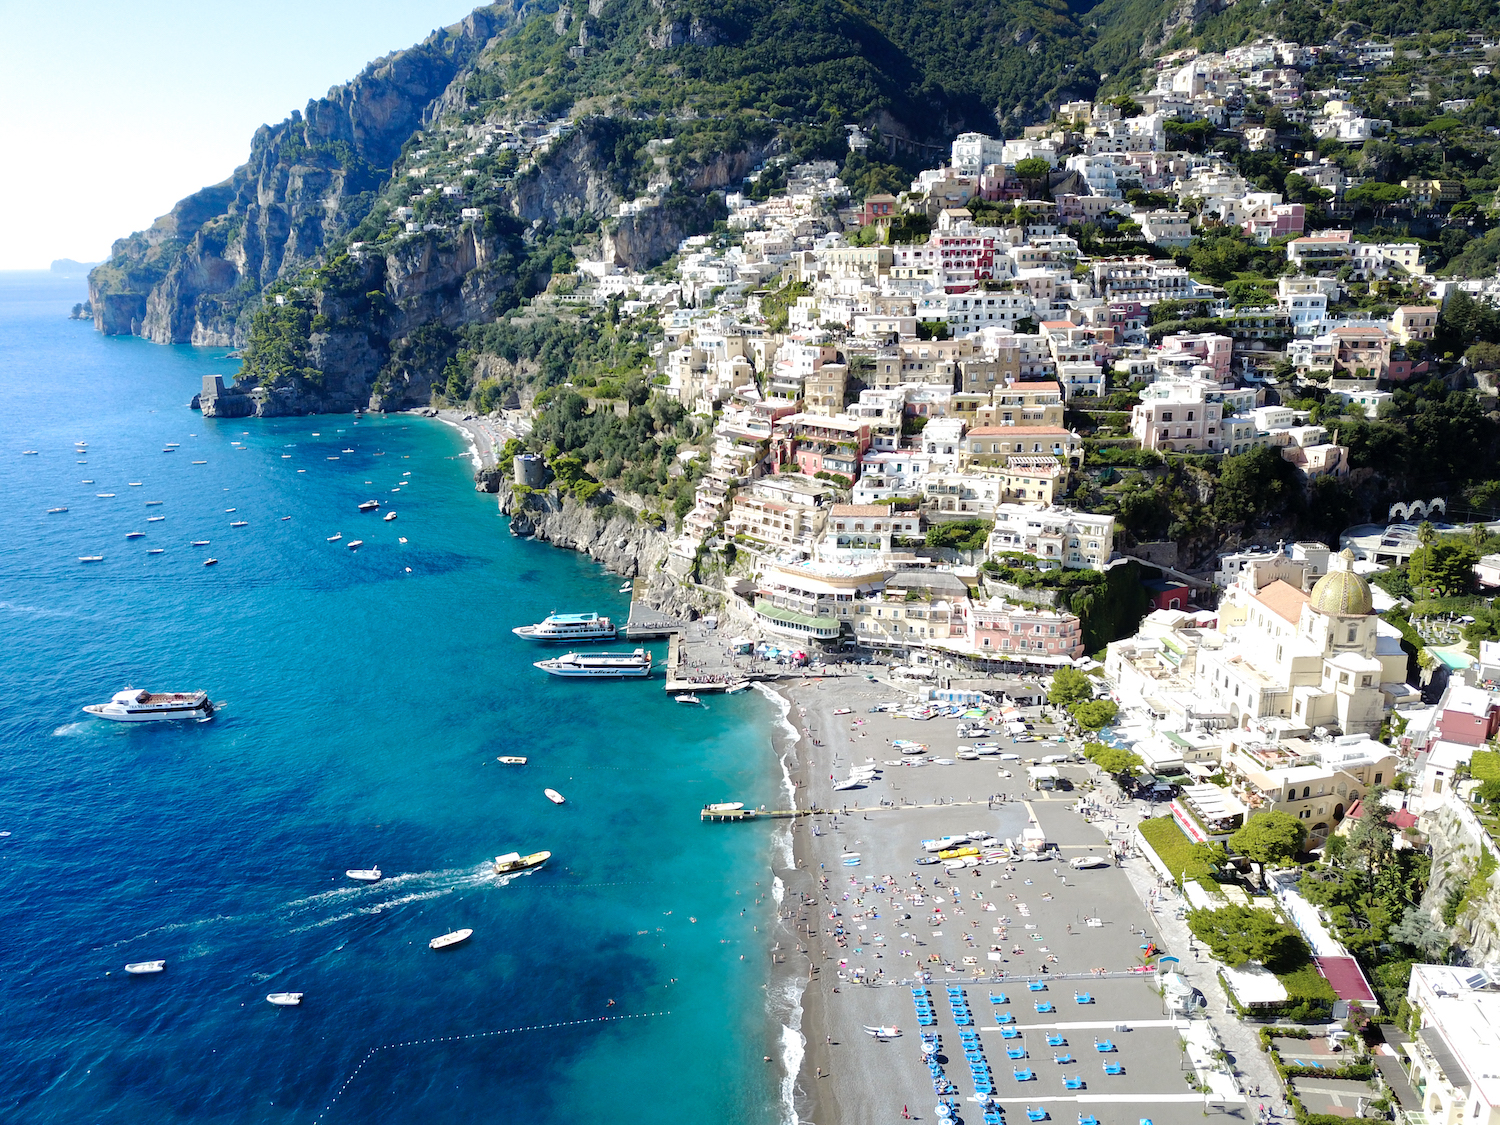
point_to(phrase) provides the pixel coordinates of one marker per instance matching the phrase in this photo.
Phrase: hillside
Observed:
(515, 135)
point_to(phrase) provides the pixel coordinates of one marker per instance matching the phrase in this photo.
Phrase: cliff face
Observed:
(191, 276)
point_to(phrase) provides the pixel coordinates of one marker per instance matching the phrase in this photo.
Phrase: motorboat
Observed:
(743, 685)
(690, 699)
(205, 463)
(136, 706)
(346, 451)
(141, 968)
(240, 523)
(54, 511)
(154, 551)
(633, 665)
(447, 941)
(198, 543)
(210, 562)
(134, 534)
(335, 538)
(401, 540)
(882, 1032)
(355, 544)
(510, 760)
(134, 483)
(566, 627)
(284, 999)
(367, 875)
(90, 558)
(554, 796)
(149, 504)
(368, 505)
(149, 519)
(724, 807)
(1083, 862)
(627, 588)
(28, 453)
(389, 516)
(511, 862)
(105, 495)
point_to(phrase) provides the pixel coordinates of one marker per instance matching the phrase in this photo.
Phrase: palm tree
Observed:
(1426, 533)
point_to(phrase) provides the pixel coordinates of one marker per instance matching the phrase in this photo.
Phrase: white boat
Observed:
(743, 685)
(850, 783)
(457, 937)
(54, 511)
(554, 796)
(335, 538)
(389, 516)
(196, 463)
(511, 862)
(134, 534)
(692, 699)
(134, 483)
(367, 875)
(199, 543)
(882, 1032)
(152, 504)
(210, 562)
(368, 505)
(28, 453)
(724, 806)
(140, 968)
(615, 665)
(559, 628)
(135, 706)
(90, 558)
(149, 519)
(627, 588)
(511, 760)
(154, 551)
(240, 523)
(355, 544)
(284, 999)
(401, 540)
(1082, 862)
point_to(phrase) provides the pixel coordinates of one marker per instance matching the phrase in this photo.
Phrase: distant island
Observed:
(67, 267)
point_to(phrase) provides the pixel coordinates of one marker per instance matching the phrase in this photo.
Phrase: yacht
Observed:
(284, 999)
(139, 968)
(210, 562)
(568, 627)
(636, 665)
(369, 505)
(368, 875)
(153, 503)
(389, 516)
(457, 937)
(511, 862)
(554, 796)
(511, 760)
(135, 706)
(691, 700)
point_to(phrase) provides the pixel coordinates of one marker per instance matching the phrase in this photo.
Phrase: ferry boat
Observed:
(635, 664)
(457, 937)
(511, 862)
(135, 706)
(568, 627)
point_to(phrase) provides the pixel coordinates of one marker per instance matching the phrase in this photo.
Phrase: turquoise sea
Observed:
(366, 695)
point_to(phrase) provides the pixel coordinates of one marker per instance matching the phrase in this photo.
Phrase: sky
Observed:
(112, 112)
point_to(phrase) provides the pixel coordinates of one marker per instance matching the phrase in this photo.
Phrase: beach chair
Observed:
(1075, 1083)
(1036, 1113)
(1023, 1075)
(1103, 1046)
(999, 998)
(992, 1117)
(1087, 1119)
(1004, 1018)
(1083, 997)
(1010, 1033)
(1145, 1121)
(1037, 986)
(1015, 1052)
(1063, 1059)
(1114, 1068)
(1055, 1039)
(1045, 1006)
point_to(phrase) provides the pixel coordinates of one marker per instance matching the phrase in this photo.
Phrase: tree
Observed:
(1031, 172)
(1095, 713)
(1270, 838)
(1446, 566)
(1238, 935)
(1426, 533)
(1069, 686)
(1114, 759)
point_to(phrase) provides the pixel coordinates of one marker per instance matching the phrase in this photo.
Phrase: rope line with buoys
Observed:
(472, 1035)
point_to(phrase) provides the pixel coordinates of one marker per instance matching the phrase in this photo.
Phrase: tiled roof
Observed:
(1282, 599)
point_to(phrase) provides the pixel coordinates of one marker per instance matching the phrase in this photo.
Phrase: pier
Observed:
(645, 623)
(720, 815)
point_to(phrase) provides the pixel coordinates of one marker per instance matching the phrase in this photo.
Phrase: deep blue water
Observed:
(364, 706)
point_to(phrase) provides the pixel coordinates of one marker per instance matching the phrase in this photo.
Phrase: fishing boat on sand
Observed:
(882, 1032)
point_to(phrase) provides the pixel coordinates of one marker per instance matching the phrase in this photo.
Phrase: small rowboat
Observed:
(510, 760)
(457, 937)
(554, 796)
(882, 1032)
(139, 968)
(284, 999)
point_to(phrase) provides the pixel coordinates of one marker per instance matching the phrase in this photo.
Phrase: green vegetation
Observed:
(1181, 856)
(1270, 839)
(961, 535)
(1112, 759)
(1239, 935)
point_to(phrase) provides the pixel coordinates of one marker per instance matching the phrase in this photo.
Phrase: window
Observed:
(1377, 778)
(1306, 792)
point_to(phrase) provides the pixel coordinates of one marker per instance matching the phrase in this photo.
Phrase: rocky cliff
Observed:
(1456, 850)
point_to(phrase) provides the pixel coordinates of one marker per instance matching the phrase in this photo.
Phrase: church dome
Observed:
(1341, 591)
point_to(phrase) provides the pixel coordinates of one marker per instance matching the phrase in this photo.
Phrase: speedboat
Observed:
(140, 968)
(205, 463)
(154, 551)
(1082, 862)
(198, 543)
(627, 588)
(54, 511)
(882, 1032)
(134, 706)
(724, 806)
(743, 685)
(210, 562)
(368, 875)
(554, 796)
(149, 504)
(90, 558)
(28, 453)
(149, 519)
(511, 862)
(560, 627)
(284, 999)
(457, 937)
(240, 523)
(368, 505)
(134, 534)
(355, 544)
(511, 760)
(389, 516)
(690, 699)
(335, 538)
(401, 540)
(633, 665)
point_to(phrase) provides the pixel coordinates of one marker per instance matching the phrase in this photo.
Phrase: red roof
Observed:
(1402, 819)
(1348, 981)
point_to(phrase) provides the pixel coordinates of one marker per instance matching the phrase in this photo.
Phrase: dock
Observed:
(721, 815)
(645, 623)
(727, 811)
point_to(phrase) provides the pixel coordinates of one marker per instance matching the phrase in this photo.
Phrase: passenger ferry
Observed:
(636, 665)
(569, 628)
(134, 706)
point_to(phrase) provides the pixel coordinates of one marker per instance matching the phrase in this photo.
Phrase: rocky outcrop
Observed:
(194, 274)
(641, 240)
(1457, 841)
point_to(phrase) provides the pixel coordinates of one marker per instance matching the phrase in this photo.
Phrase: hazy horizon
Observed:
(115, 115)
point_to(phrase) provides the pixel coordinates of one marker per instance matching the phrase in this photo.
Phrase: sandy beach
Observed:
(862, 922)
(486, 434)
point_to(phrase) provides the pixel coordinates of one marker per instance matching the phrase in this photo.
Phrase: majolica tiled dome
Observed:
(1341, 591)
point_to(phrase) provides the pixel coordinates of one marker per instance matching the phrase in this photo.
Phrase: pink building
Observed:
(1281, 220)
(1022, 632)
(1212, 349)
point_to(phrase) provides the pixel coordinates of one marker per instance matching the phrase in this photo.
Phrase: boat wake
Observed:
(788, 999)
(67, 730)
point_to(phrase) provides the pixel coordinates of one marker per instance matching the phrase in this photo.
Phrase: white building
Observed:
(1455, 1058)
(1069, 539)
